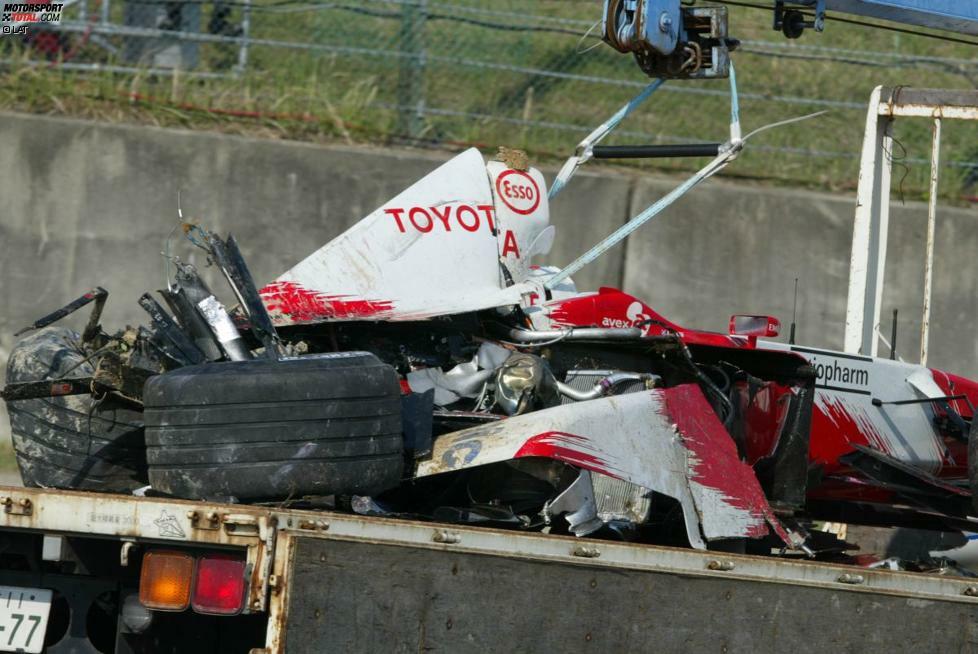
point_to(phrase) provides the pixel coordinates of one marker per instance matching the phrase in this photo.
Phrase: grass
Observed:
(348, 96)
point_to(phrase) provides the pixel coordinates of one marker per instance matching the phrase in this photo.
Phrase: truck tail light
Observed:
(220, 584)
(165, 580)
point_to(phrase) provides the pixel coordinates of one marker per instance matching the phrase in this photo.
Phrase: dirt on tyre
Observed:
(253, 430)
(75, 441)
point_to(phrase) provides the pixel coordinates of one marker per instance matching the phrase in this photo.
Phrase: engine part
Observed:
(315, 425)
(544, 336)
(224, 330)
(73, 441)
(182, 297)
(525, 383)
(577, 506)
(177, 343)
(479, 515)
(463, 380)
(232, 263)
(616, 499)
(606, 385)
(523, 486)
(190, 319)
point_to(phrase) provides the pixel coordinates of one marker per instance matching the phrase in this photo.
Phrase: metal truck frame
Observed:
(338, 582)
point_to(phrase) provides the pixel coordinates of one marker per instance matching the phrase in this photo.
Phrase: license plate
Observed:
(23, 618)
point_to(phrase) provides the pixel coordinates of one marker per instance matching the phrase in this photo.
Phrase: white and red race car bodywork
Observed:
(461, 240)
(859, 401)
(433, 250)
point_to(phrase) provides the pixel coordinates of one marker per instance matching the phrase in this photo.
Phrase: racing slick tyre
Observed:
(252, 430)
(73, 441)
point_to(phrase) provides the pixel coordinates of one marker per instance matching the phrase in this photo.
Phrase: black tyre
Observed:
(74, 441)
(251, 430)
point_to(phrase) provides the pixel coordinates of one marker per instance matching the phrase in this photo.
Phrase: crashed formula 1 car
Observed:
(419, 358)
(420, 365)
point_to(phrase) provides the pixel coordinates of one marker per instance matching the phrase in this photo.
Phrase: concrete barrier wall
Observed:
(87, 204)
(732, 248)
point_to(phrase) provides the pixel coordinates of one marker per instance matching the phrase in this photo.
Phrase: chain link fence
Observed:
(532, 75)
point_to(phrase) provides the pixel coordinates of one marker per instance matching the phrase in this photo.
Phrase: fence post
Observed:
(410, 82)
(245, 33)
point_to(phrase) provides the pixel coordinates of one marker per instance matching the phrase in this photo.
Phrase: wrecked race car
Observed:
(454, 399)
(648, 407)
(419, 364)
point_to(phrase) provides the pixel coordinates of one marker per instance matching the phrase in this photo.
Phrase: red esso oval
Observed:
(518, 191)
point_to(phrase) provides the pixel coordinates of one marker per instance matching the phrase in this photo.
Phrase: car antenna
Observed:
(893, 335)
(794, 312)
(166, 242)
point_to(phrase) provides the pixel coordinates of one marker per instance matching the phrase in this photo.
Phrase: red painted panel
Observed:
(301, 304)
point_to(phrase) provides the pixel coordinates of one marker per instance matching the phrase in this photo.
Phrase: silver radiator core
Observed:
(616, 499)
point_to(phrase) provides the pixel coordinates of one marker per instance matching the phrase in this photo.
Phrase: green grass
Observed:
(324, 97)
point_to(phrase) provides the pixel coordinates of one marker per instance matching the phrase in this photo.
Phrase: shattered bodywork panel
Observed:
(667, 440)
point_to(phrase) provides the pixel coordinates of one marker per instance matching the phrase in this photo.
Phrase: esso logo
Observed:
(518, 191)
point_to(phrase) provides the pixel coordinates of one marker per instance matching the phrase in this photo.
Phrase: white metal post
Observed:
(870, 229)
(245, 34)
(935, 163)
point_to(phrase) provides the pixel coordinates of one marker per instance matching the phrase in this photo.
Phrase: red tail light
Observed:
(220, 585)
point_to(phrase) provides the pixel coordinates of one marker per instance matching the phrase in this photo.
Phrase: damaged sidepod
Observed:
(667, 440)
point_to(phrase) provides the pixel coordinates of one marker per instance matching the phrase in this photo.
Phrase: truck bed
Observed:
(339, 582)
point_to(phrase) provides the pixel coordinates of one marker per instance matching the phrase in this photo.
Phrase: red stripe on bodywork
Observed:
(957, 385)
(954, 464)
(610, 307)
(836, 425)
(290, 302)
(716, 463)
(565, 447)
